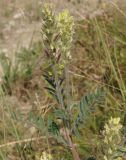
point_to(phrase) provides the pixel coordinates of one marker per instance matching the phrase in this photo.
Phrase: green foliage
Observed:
(38, 121)
(20, 67)
(86, 107)
(52, 85)
(28, 60)
(9, 72)
(53, 128)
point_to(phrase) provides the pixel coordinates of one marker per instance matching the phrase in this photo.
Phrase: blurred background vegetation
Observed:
(98, 60)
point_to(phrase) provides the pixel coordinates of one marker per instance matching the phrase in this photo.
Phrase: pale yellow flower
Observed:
(112, 138)
(46, 156)
(65, 24)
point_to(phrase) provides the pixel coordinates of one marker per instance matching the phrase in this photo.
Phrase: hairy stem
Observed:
(66, 134)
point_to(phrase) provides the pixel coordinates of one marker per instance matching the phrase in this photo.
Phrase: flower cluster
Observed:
(48, 25)
(112, 138)
(65, 26)
(57, 32)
